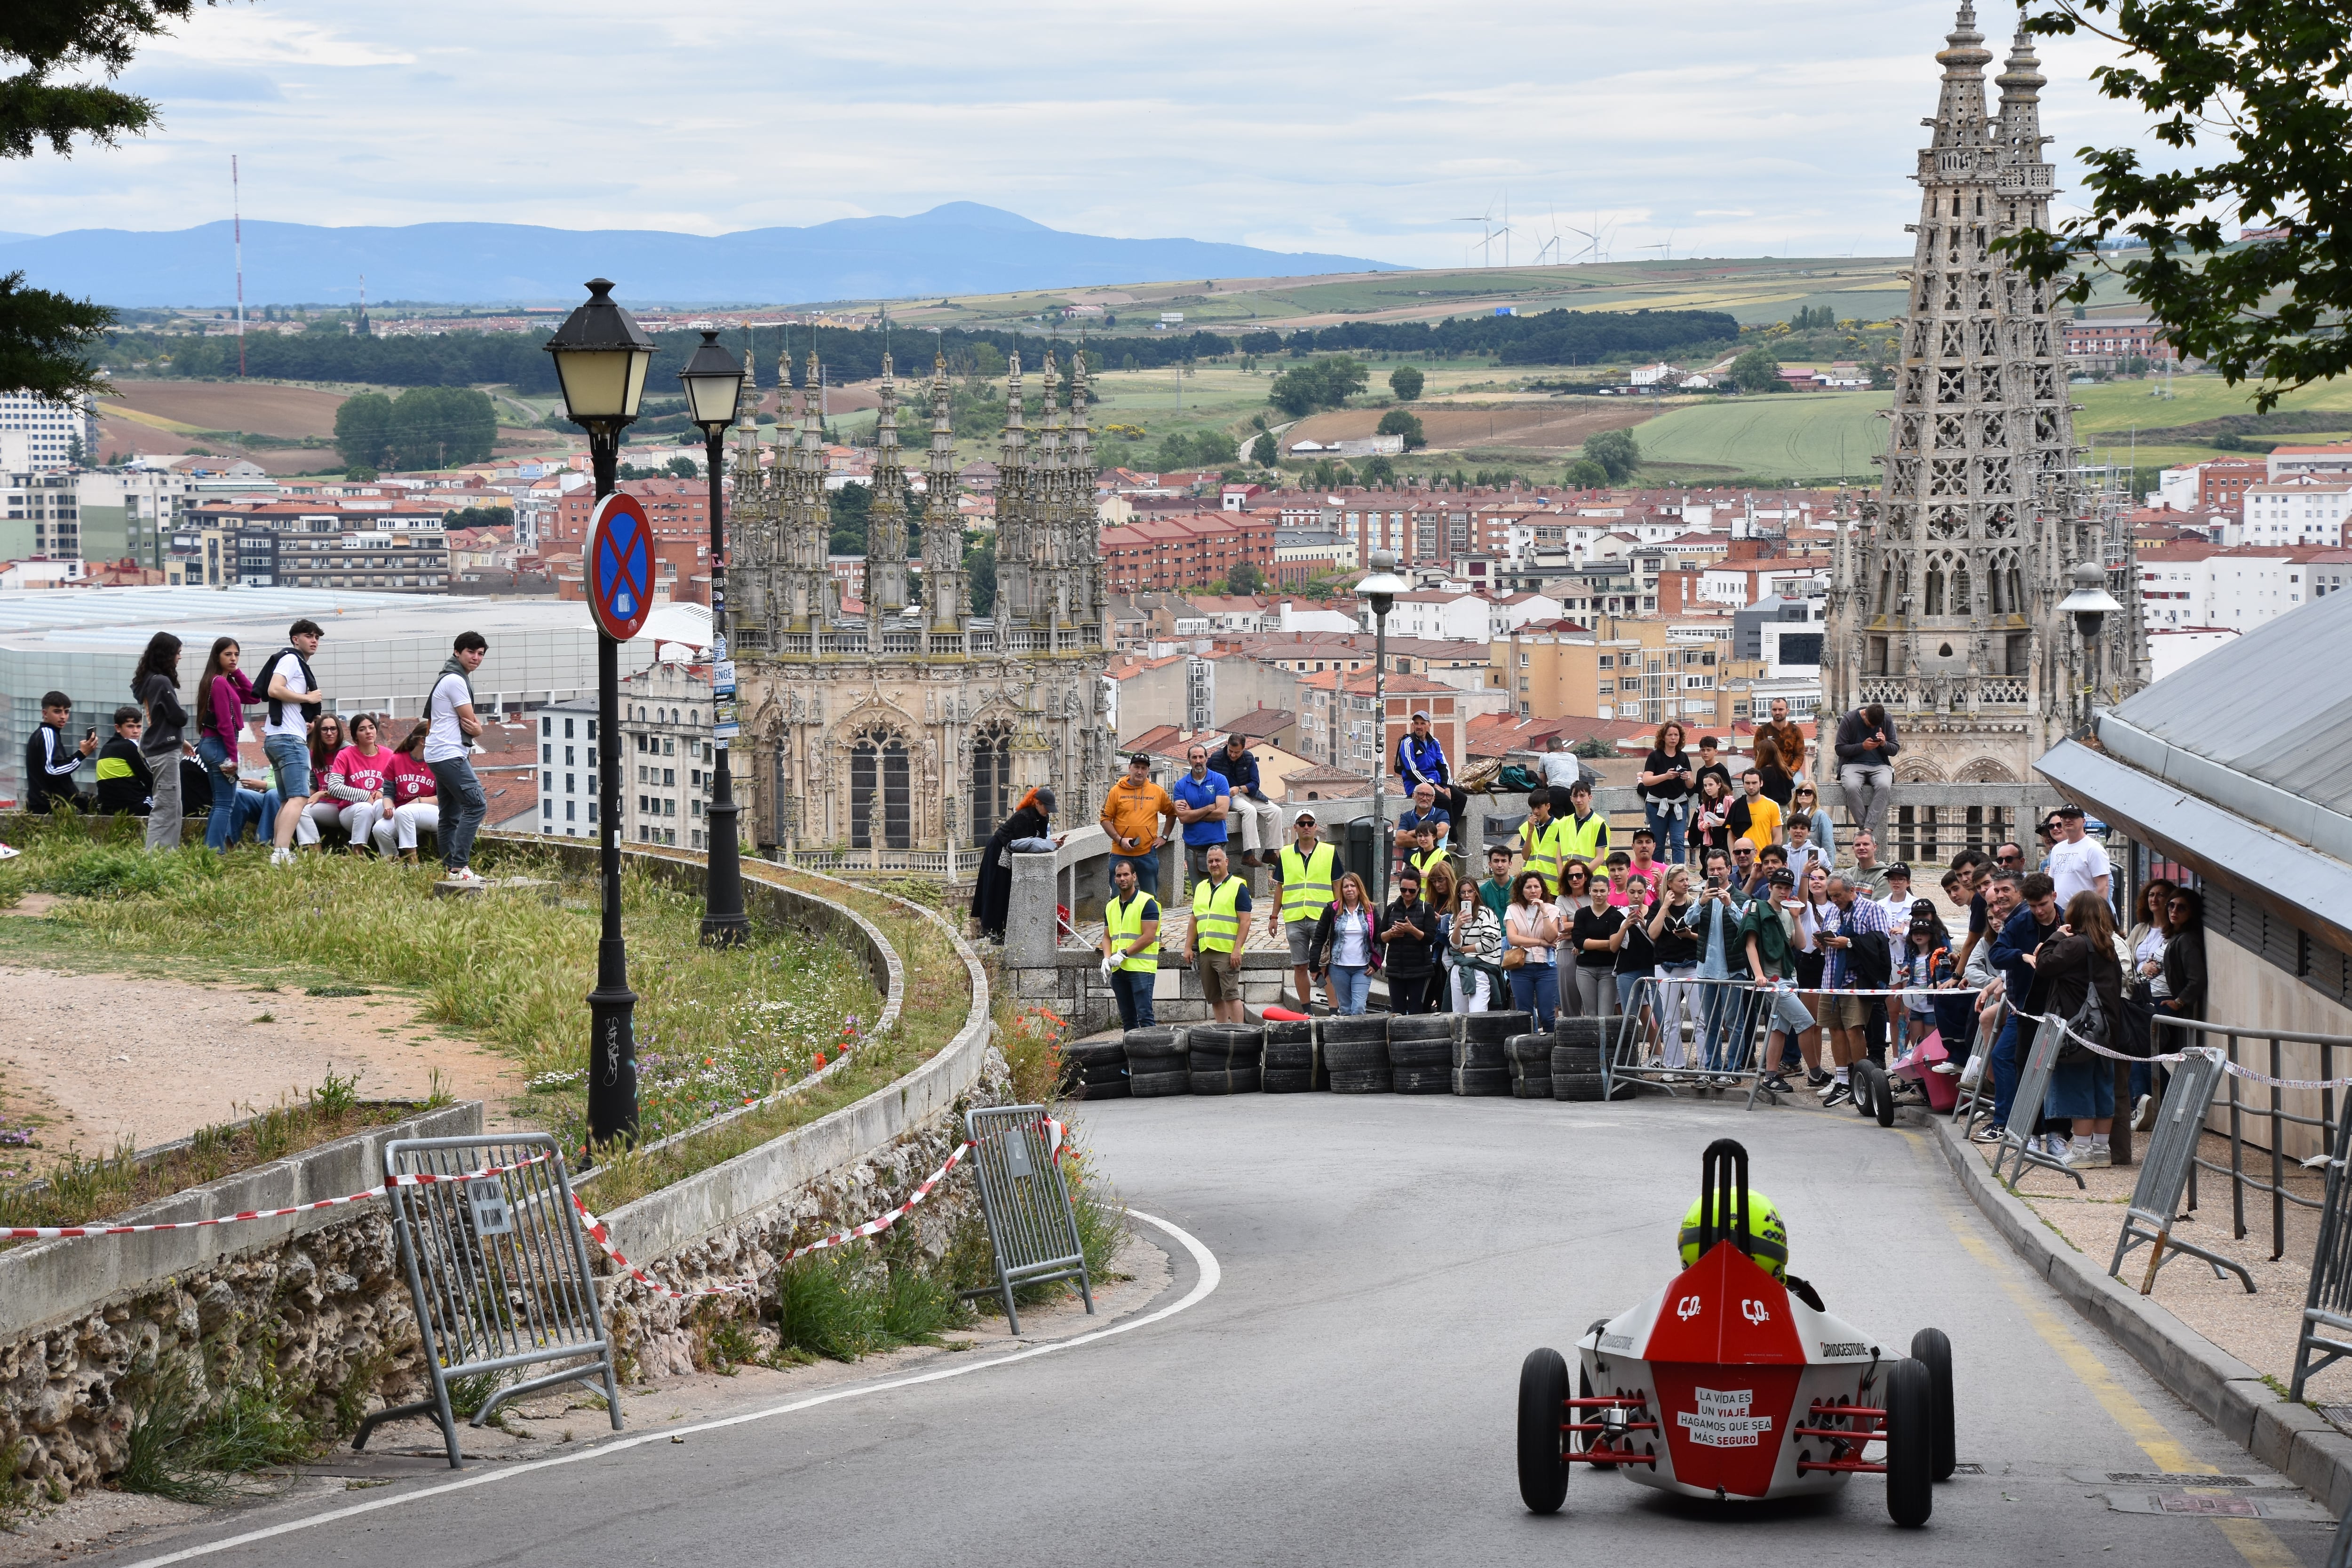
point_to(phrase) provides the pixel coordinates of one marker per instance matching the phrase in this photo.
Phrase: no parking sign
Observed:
(618, 563)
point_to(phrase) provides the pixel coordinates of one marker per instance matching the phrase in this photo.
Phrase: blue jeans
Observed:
(291, 758)
(1626, 985)
(1720, 1015)
(1351, 985)
(1132, 987)
(256, 810)
(1146, 871)
(2005, 1069)
(1667, 826)
(1956, 1020)
(1534, 988)
(220, 826)
(463, 807)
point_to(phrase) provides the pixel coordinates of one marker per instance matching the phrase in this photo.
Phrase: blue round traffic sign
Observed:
(618, 563)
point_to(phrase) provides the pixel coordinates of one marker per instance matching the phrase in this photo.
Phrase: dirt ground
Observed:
(262, 407)
(97, 1059)
(1545, 426)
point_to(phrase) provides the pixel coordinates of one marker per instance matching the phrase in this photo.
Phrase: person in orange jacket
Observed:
(1132, 813)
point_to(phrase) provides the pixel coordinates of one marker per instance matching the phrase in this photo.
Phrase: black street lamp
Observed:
(1380, 591)
(601, 358)
(714, 388)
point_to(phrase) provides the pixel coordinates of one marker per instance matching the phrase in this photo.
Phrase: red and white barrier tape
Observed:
(601, 1237)
(2235, 1069)
(423, 1179)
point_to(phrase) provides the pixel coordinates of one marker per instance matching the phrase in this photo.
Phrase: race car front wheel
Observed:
(1933, 1350)
(1543, 1412)
(1910, 1444)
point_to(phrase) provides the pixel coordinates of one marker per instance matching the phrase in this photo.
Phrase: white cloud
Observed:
(1786, 126)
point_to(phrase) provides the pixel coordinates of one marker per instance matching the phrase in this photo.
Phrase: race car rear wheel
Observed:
(1543, 1410)
(1931, 1350)
(1910, 1444)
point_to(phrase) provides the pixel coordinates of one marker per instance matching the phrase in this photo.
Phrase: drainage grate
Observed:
(2227, 1506)
(2337, 1415)
(1964, 1468)
(2177, 1479)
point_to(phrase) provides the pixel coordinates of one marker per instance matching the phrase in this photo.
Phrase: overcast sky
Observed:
(1729, 127)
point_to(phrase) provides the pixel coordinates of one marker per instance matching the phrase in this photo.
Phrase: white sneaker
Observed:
(1944, 1067)
(2144, 1115)
(465, 876)
(2096, 1157)
(281, 856)
(2057, 1148)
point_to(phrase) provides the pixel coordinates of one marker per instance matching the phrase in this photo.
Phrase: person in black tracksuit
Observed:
(51, 761)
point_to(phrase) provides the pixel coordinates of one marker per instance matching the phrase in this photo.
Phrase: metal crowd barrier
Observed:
(2266, 1049)
(1033, 1231)
(1722, 1049)
(2032, 1087)
(499, 1272)
(2327, 1302)
(2164, 1174)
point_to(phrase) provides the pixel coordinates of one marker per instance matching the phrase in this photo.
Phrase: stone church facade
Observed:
(1944, 592)
(914, 724)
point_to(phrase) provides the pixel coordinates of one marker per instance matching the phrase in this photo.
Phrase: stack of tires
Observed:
(1156, 1063)
(1356, 1054)
(1291, 1065)
(1577, 1045)
(1421, 1053)
(1480, 1064)
(1530, 1057)
(1095, 1069)
(1225, 1057)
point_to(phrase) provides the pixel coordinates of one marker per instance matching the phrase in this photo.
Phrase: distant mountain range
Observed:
(961, 247)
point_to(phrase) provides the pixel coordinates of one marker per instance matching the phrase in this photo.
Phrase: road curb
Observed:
(2290, 1438)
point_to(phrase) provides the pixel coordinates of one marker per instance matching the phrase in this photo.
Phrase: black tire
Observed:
(1574, 1059)
(1931, 1350)
(1471, 1082)
(1576, 1086)
(1531, 1088)
(1290, 1031)
(1529, 1051)
(1910, 1444)
(1422, 1080)
(1283, 1056)
(1240, 1080)
(1595, 1033)
(1421, 1026)
(1884, 1091)
(1225, 1042)
(1496, 1026)
(1154, 1085)
(1286, 1080)
(1346, 1082)
(1157, 1056)
(1160, 1040)
(1096, 1053)
(1543, 1410)
(1480, 1056)
(1116, 1089)
(1354, 1030)
(1356, 1056)
(1421, 1053)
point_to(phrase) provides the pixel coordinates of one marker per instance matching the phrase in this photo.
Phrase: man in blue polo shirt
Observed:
(1202, 800)
(1424, 810)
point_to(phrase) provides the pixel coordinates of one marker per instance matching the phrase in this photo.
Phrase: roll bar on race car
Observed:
(1723, 1170)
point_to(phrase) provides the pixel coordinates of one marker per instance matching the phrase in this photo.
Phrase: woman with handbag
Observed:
(1530, 933)
(1346, 949)
(2068, 968)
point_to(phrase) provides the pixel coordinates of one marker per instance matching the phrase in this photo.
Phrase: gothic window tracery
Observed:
(1948, 477)
(1951, 433)
(1907, 433)
(1948, 522)
(2045, 384)
(1989, 338)
(992, 777)
(1995, 476)
(1999, 521)
(1954, 343)
(1984, 290)
(879, 796)
(1915, 386)
(1951, 386)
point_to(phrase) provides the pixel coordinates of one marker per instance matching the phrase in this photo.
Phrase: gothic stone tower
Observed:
(916, 726)
(1944, 595)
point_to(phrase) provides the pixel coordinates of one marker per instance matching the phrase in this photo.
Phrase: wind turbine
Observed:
(1487, 243)
(1668, 245)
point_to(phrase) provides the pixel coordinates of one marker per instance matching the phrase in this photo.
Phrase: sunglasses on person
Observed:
(2009, 860)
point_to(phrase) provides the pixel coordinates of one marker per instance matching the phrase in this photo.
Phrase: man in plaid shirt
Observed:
(1848, 968)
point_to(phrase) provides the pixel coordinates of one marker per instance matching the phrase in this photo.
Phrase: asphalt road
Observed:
(1343, 1391)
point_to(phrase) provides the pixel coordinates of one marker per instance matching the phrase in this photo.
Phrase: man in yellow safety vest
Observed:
(1130, 945)
(1588, 830)
(1304, 872)
(1221, 922)
(1543, 842)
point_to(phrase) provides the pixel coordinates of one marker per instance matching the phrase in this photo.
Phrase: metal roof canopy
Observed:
(2308, 888)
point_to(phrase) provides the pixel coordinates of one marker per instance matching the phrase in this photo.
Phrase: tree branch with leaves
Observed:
(2253, 94)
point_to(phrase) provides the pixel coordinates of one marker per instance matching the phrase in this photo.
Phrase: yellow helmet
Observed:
(1768, 1238)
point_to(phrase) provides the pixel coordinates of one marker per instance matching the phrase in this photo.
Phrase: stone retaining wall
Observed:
(317, 1303)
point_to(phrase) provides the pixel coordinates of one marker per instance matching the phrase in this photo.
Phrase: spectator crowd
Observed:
(174, 753)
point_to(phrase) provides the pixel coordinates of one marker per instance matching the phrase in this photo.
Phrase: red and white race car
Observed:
(1729, 1383)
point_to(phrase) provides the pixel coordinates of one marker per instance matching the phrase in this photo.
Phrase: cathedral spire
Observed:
(886, 515)
(943, 578)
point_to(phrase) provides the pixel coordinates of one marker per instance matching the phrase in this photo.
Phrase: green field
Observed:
(1803, 435)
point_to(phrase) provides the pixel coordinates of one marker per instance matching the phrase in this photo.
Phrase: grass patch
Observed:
(79, 1190)
(714, 1029)
(188, 1452)
(841, 1307)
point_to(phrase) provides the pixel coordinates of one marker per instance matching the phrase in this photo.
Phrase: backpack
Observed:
(268, 673)
(2089, 1023)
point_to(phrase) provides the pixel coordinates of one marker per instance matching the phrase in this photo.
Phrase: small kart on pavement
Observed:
(1734, 1383)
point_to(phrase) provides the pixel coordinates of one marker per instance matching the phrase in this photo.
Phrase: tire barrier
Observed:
(1224, 1058)
(1157, 1063)
(1530, 1060)
(1095, 1069)
(1576, 1051)
(1420, 1054)
(1291, 1063)
(1481, 1064)
(1356, 1053)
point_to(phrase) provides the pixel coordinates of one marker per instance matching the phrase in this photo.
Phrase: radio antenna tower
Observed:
(236, 227)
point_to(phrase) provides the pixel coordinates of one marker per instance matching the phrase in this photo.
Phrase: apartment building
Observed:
(1165, 554)
(131, 512)
(668, 758)
(42, 519)
(38, 436)
(2295, 512)
(2104, 344)
(567, 769)
(2333, 461)
(1646, 671)
(2235, 589)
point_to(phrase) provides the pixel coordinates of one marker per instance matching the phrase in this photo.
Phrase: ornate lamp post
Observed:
(1380, 591)
(601, 357)
(714, 386)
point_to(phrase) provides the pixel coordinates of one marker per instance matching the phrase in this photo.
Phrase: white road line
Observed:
(1210, 1275)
